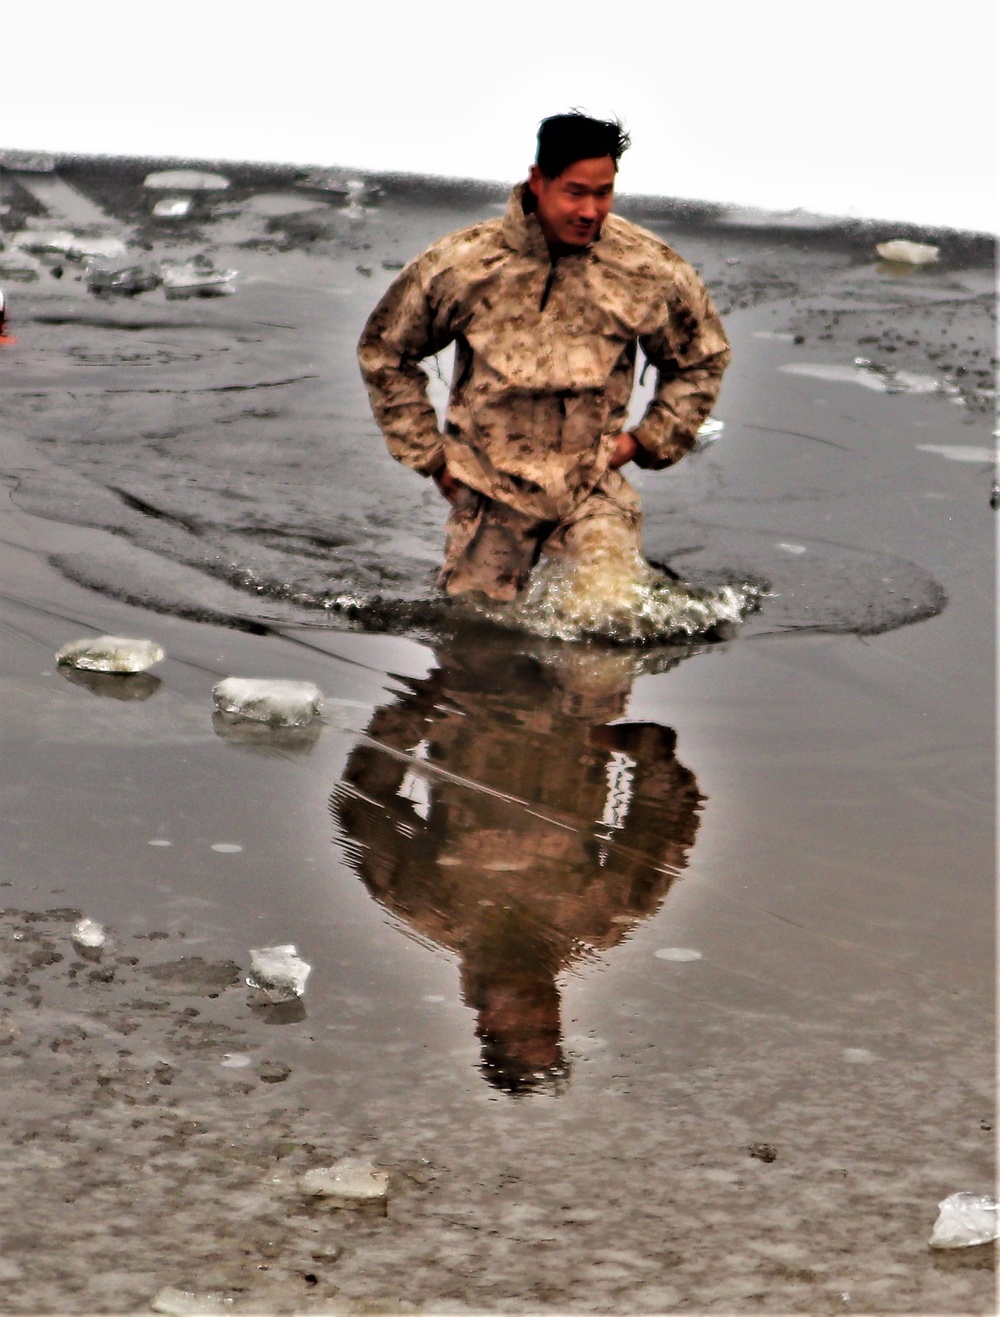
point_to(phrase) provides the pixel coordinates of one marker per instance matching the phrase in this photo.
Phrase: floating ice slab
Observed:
(959, 452)
(195, 278)
(125, 279)
(109, 249)
(964, 1220)
(69, 244)
(281, 703)
(907, 253)
(87, 933)
(185, 180)
(185, 1303)
(707, 434)
(349, 1183)
(110, 654)
(328, 182)
(278, 970)
(172, 208)
(43, 240)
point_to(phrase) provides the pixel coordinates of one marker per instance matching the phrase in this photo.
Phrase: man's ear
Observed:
(534, 179)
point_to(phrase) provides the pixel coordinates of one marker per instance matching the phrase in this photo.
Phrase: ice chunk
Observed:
(43, 240)
(284, 703)
(185, 1303)
(111, 654)
(965, 1219)
(197, 277)
(329, 183)
(107, 249)
(172, 207)
(185, 180)
(907, 253)
(87, 933)
(959, 452)
(349, 1183)
(677, 953)
(278, 971)
(707, 434)
(764, 1152)
(126, 279)
(70, 244)
(236, 1061)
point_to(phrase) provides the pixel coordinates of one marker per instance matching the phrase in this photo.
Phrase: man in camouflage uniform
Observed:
(546, 308)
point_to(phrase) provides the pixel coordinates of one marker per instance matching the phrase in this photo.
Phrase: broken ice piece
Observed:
(185, 1303)
(100, 249)
(126, 280)
(965, 1219)
(172, 207)
(74, 245)
(329, 183)
(282, 703)
(88, 934)
(349, 1183)
(111, 654)
(195, 278)
(185, 180)
(907, 253)
(278, 971)
(707, 434)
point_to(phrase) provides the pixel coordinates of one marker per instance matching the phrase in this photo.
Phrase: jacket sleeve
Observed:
(401, 332)
(689, 351)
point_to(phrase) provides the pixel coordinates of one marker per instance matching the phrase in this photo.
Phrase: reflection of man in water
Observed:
(547, 308)
(499, 811)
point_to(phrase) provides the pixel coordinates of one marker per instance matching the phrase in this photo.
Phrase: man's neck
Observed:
(557, 250)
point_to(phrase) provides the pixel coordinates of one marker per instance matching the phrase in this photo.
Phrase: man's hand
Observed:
(448, 485)
(625, 449)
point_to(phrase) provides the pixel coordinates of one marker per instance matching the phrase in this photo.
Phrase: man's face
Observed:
(573, 206)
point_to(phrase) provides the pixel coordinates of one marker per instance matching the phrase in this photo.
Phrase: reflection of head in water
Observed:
(509, 980)
(500, 811)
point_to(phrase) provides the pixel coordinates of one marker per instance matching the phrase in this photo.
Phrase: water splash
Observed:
(614, 595)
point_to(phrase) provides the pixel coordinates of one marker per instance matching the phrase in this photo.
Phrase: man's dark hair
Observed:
(566, 138)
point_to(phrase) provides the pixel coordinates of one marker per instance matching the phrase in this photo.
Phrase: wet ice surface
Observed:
(279, 971)
(655, 976)
(277, 702)
(117, 654)
(965, 1220)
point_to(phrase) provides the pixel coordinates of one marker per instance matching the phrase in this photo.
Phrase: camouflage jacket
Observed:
(545, 356)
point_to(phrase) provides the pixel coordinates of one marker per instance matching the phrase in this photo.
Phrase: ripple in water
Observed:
(620, 598)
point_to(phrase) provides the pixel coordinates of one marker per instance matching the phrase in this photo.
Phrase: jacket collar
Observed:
(521, 229)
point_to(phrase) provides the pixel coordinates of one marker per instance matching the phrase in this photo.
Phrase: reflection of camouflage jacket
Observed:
(544, 357)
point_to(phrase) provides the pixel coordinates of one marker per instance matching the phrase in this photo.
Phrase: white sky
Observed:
(880, 108)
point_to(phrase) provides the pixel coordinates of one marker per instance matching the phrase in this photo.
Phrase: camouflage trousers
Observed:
(492, 549)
